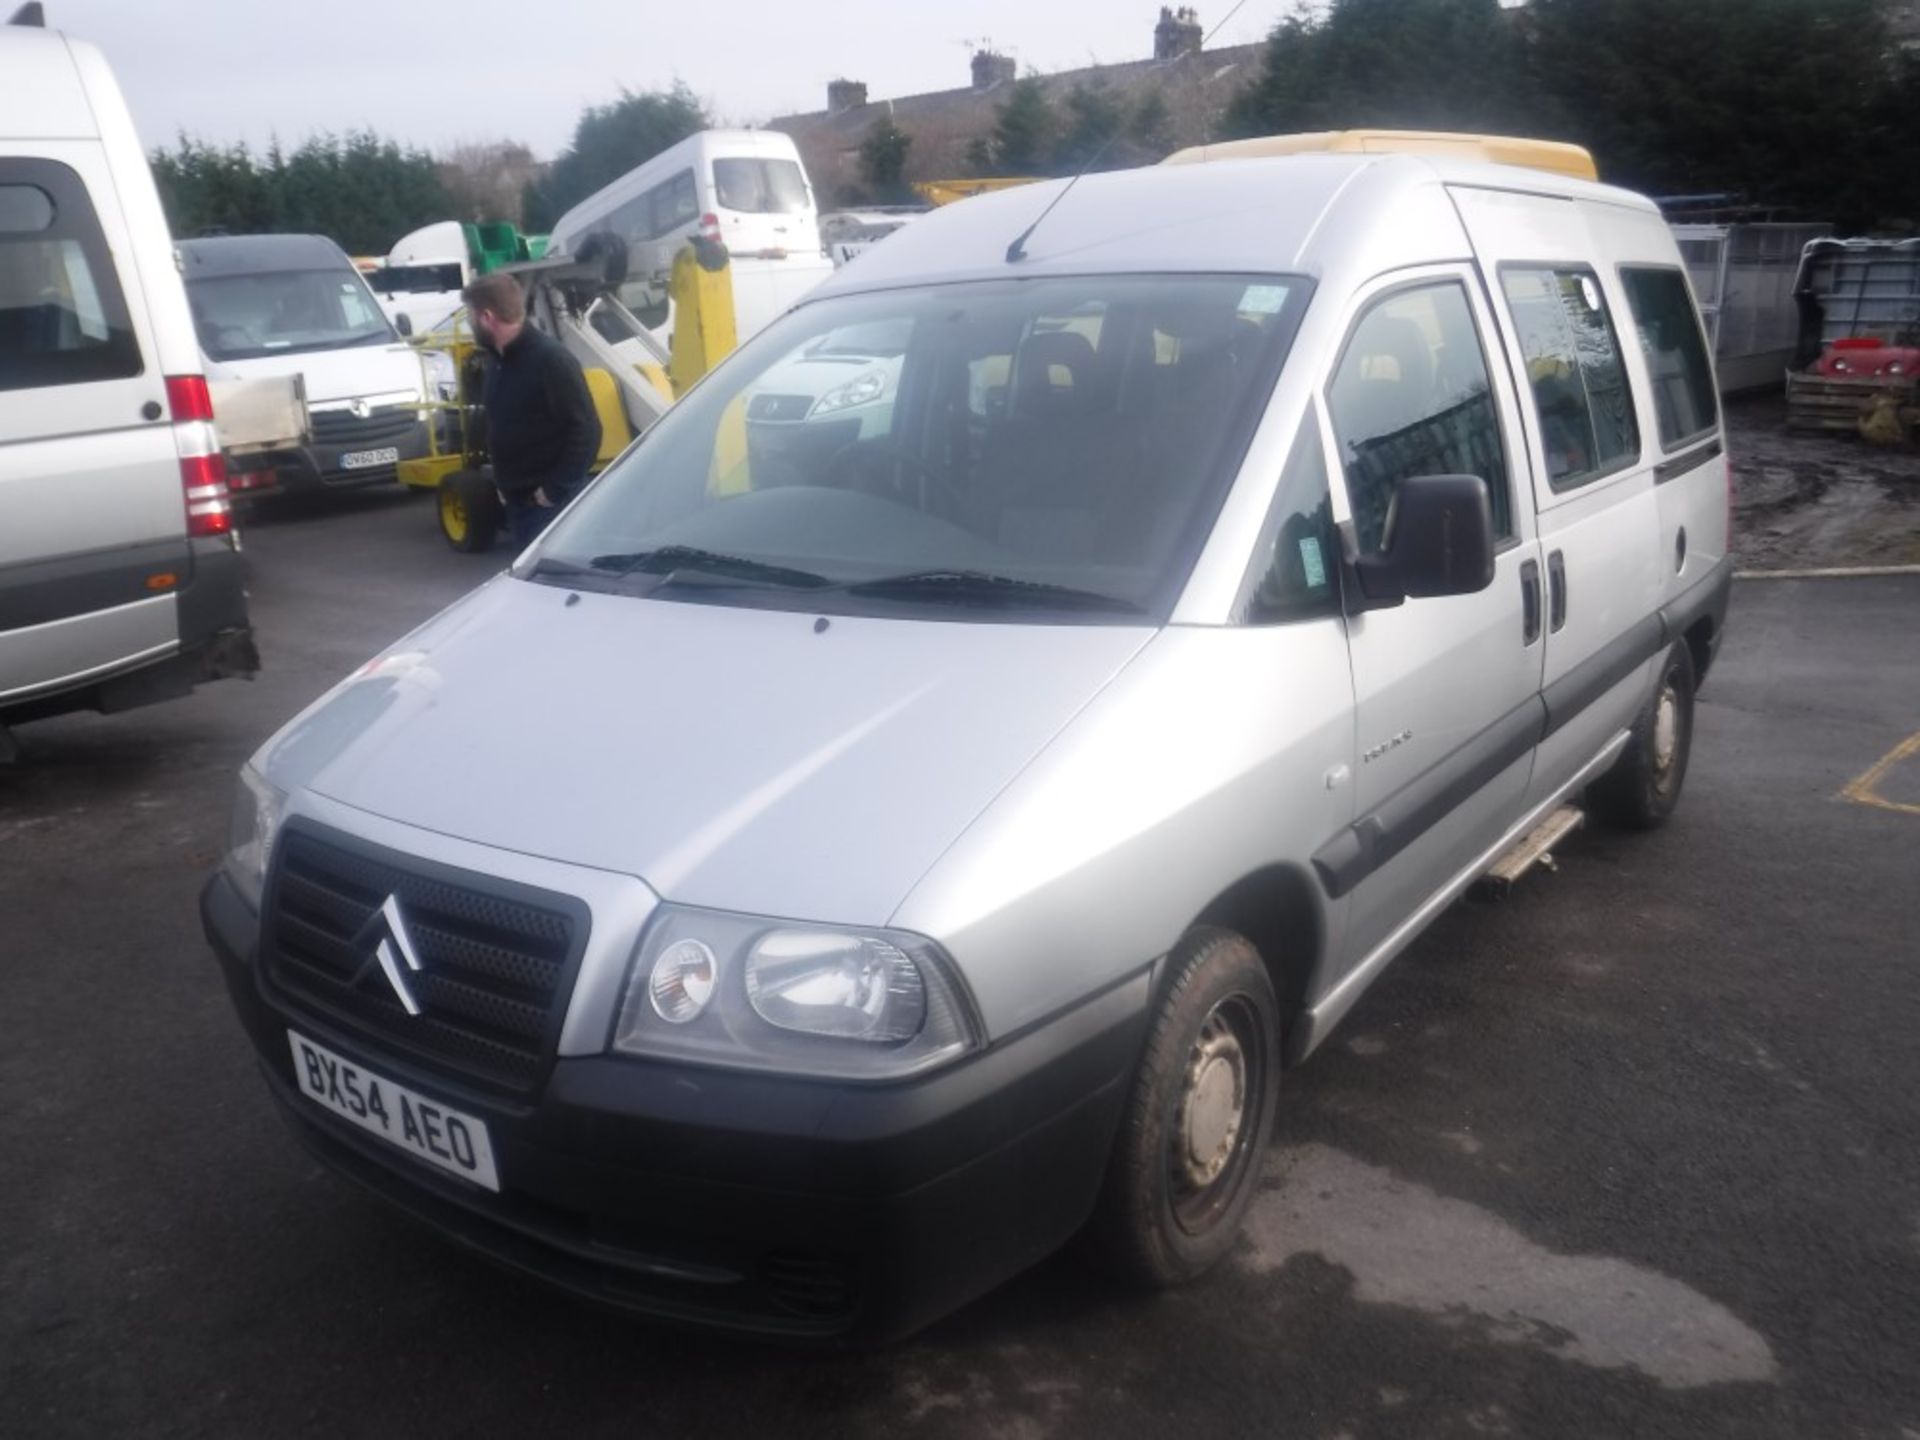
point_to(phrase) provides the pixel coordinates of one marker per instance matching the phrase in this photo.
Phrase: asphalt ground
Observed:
(1631, 1153)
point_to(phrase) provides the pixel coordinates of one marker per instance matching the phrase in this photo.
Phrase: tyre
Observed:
(1643, 786)
(1194, 1133)
(469, 511)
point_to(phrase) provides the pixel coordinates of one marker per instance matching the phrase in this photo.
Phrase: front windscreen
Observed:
(1009, 446)
(277, 312)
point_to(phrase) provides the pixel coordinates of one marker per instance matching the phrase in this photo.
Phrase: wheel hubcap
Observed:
(1214, 1106)
(1666, 727)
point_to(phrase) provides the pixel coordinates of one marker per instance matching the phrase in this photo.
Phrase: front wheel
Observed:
(1195, 1130)
(1643, 787)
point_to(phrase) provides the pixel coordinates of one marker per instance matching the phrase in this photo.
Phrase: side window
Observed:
(1580, 392)
(1294, 575)
(1676, 352)
(63, 319)
(680, 204)
(1411, 397)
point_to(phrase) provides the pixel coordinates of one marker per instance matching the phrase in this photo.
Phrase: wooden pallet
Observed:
(1821, 402)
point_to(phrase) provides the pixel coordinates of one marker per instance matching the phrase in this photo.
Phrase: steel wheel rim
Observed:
(1215, 1114)
(1666, 727)
(453, 514)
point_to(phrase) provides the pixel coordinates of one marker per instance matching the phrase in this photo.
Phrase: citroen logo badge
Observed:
(394, 954)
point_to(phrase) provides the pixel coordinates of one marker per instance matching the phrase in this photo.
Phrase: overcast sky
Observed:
(438, 74)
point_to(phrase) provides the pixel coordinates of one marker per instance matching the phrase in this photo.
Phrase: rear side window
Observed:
(63, 319)
(674, 203)
(1676, 352)
(1580, 392)
(1412, 397)
(760, 187)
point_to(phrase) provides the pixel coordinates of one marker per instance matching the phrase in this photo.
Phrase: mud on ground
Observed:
(1810, 500)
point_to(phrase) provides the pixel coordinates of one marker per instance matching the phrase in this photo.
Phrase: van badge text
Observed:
(1391, 743)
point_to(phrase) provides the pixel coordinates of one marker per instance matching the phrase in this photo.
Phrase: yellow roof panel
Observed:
(1551, 155)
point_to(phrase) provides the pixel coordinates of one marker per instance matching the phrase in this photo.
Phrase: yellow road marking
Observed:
(1865, 790)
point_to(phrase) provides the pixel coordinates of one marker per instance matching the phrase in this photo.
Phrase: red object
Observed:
(188, 398)
(203, 470)
(1865, 358)
(710, 227)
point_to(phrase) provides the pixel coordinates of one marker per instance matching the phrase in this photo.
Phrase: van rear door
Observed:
(90, 483)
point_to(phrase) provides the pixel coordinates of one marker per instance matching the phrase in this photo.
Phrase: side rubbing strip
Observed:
(1680, 464)
(1709, 597)
(1403, 817)
(1602, 670)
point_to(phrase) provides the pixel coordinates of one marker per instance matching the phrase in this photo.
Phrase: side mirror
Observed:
(1438, 540)
(403, 322)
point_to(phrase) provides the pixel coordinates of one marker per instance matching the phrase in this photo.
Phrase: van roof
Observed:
(42, 95)
(1315, 215)
(252, 254)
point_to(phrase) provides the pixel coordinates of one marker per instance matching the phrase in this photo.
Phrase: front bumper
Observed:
(791, 1207)
(317, 467)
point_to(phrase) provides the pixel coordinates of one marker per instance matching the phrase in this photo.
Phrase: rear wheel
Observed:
(1195, 1130)
(1643, 787)
(469, 511)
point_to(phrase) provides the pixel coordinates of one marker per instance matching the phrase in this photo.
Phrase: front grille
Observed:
(496, 962)
(779, 407)
(381, 427)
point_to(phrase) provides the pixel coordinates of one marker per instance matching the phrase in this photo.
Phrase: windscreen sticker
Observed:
(1263, 299)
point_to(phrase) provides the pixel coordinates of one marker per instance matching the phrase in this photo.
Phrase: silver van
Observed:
(121, 579)
(931, 836)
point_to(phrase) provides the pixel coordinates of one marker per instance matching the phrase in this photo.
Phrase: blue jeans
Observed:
(527, 517)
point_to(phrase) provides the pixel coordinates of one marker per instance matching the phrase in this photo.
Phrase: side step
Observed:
(1535, 848)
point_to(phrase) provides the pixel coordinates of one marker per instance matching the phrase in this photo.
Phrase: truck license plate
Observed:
(367, 459)
(438, 1134)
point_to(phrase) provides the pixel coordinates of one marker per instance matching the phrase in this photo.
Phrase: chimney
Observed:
(845, 95)
(1177, 34)
(990, 70)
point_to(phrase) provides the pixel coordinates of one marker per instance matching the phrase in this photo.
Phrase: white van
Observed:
(976, 791)
(422, 277)
(745, 189)
(120, 575)
(280, 305)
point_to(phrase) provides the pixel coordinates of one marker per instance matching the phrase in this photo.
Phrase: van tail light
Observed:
(203, 470)
(710, 227)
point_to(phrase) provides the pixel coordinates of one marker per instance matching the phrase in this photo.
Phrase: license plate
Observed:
(367, 459)
(438, 1134)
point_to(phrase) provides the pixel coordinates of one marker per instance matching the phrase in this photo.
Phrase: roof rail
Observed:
(1555, 156)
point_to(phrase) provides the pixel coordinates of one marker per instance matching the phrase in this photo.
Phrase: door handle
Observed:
(1557, 590)
(1530, 601)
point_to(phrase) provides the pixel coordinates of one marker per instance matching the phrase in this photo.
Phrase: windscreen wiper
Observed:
(983, 587)
(668, 560)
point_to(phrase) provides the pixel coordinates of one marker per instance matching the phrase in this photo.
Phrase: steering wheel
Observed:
(876, 466)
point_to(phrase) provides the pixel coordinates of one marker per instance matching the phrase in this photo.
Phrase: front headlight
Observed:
(258, 808)
(863, 391)
(820, 1000)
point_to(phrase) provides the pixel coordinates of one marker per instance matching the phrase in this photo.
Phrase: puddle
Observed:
(1406, 1245)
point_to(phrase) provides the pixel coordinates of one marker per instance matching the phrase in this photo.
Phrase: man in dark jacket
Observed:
(542, 430)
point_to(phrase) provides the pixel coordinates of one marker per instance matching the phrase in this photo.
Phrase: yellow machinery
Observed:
(946, 192)
(632, 378)
(1551, 155)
